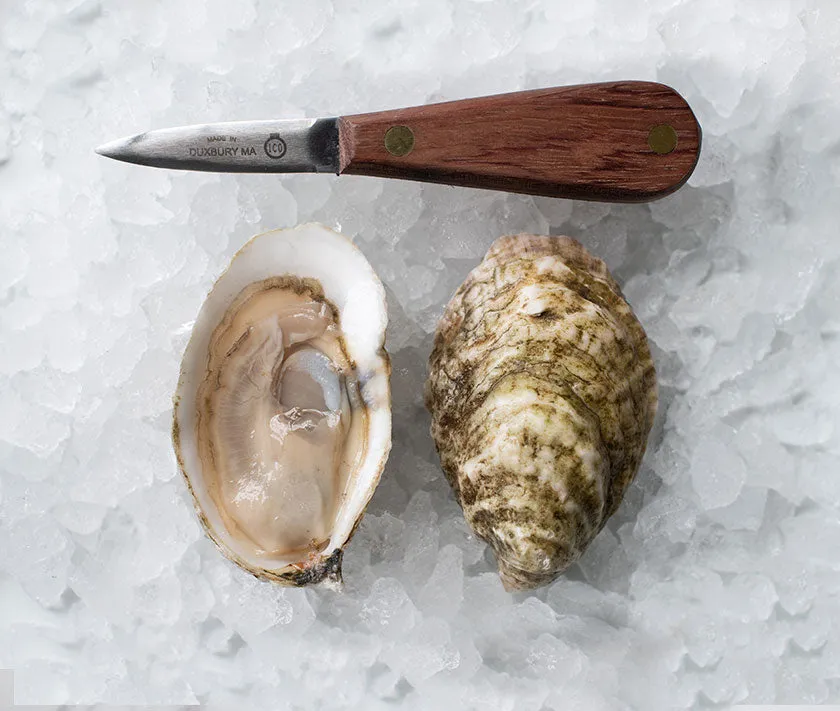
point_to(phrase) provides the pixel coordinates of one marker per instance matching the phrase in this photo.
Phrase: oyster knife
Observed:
(627, 141)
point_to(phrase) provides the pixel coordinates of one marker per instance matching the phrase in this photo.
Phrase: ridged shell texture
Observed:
(542, 392)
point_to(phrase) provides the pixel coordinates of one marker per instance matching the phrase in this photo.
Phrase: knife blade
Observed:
(626, 141)
(280, 146)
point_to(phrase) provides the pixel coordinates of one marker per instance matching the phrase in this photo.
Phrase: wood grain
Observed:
(588, 142)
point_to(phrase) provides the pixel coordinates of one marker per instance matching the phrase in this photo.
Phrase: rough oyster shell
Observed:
(282, 421)
(542, 392)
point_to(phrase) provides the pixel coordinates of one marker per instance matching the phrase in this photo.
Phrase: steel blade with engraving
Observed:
(619, 141)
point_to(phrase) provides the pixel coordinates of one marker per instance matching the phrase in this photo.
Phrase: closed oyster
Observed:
(282, 414)
(542, 392)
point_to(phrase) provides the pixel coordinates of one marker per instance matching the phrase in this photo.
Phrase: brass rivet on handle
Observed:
(662, 139)
(399, 140)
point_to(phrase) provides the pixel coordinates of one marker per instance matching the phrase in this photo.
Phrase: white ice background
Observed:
(718, 580)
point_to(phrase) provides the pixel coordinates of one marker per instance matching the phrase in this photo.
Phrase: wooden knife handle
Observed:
(620, 141)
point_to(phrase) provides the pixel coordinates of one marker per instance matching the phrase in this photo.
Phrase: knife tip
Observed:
(124, 148)
(111, 149)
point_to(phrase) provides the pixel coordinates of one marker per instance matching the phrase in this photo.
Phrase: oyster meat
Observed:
(542, 392)
(282, 420)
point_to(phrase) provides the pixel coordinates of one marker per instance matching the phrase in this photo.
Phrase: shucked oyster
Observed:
(542, 392)
(282, 414)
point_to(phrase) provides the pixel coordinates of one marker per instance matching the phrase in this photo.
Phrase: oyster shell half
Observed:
(542, 392)
(282, 420)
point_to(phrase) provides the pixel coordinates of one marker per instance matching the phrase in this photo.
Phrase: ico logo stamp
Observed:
(275, 147)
